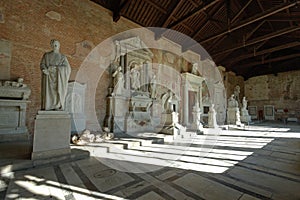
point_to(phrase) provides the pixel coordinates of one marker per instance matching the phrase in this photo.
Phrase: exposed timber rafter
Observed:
(190, 14)
(262, 52)
(234, 19)
(251, 20)
(259, 39)
(286, 57)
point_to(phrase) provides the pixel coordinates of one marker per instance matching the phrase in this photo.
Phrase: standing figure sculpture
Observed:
(135, 78)
(153, 87)
(55, 75)
(244, 103)
(237, 91)
(232, 103)
(118, 77)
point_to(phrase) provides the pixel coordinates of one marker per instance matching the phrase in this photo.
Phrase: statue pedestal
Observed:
(170, 119)
(233, 116)
(197, 125)
(51, 134)
(212, 120)
(245, 117)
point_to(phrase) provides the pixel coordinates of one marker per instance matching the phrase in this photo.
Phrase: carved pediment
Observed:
(133, 45)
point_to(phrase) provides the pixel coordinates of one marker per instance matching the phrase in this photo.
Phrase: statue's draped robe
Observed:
(54, 85)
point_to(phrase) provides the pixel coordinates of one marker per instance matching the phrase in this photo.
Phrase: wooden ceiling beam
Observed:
(216, 43)
(172, 10)
(260, 45)
(205, 23)
(262, 9)
(288, 12)
(253, 19)
(160, 9)
(262, 52)
(259, 39)
(124, 6)
(192, 13)
(234, 19)
(182, 19)
(248, 35)
(286, 57)
(283, 18)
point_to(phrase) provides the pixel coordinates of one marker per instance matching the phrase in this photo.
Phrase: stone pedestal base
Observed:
(233, 116)
(197, 125)
(246, 118)
(169, 119)
(212, 120)
(170, 124)
(51, 134)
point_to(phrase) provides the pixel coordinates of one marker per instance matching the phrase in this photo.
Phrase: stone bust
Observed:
(55, 75)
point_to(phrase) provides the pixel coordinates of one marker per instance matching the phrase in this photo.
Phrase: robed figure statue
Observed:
(55, 75)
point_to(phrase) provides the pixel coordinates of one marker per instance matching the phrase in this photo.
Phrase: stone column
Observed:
(200, 96)
(146, 76)
(185, 108)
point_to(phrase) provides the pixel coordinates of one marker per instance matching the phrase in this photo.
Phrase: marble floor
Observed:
(259, 162)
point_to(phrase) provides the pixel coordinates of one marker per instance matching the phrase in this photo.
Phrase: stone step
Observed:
(141, 141)
(127, 144)
(173, 157)
(199, 152)
(161, 159)
(133, 150)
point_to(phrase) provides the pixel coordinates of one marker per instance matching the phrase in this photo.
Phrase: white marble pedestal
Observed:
(245, 117)
(212, 119)
(51, 134)
(233, 116)
(170, 119)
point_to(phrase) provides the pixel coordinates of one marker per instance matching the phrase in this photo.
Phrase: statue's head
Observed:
(55, 44)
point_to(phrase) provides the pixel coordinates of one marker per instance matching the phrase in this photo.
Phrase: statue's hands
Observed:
(45, 71)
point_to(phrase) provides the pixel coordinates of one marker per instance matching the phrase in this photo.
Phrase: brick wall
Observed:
(29, 25)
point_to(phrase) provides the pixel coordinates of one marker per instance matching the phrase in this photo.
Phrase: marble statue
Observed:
(212, 120)
(135, 78)
(244, 102)
(237, 91)
(169, 100)
(233, 112)
(55, 75)
(232, 102)
(153, 87)
(245, 117)
(118, 77)
(197, 125)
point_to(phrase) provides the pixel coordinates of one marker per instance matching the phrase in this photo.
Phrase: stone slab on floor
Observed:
(9, 165)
